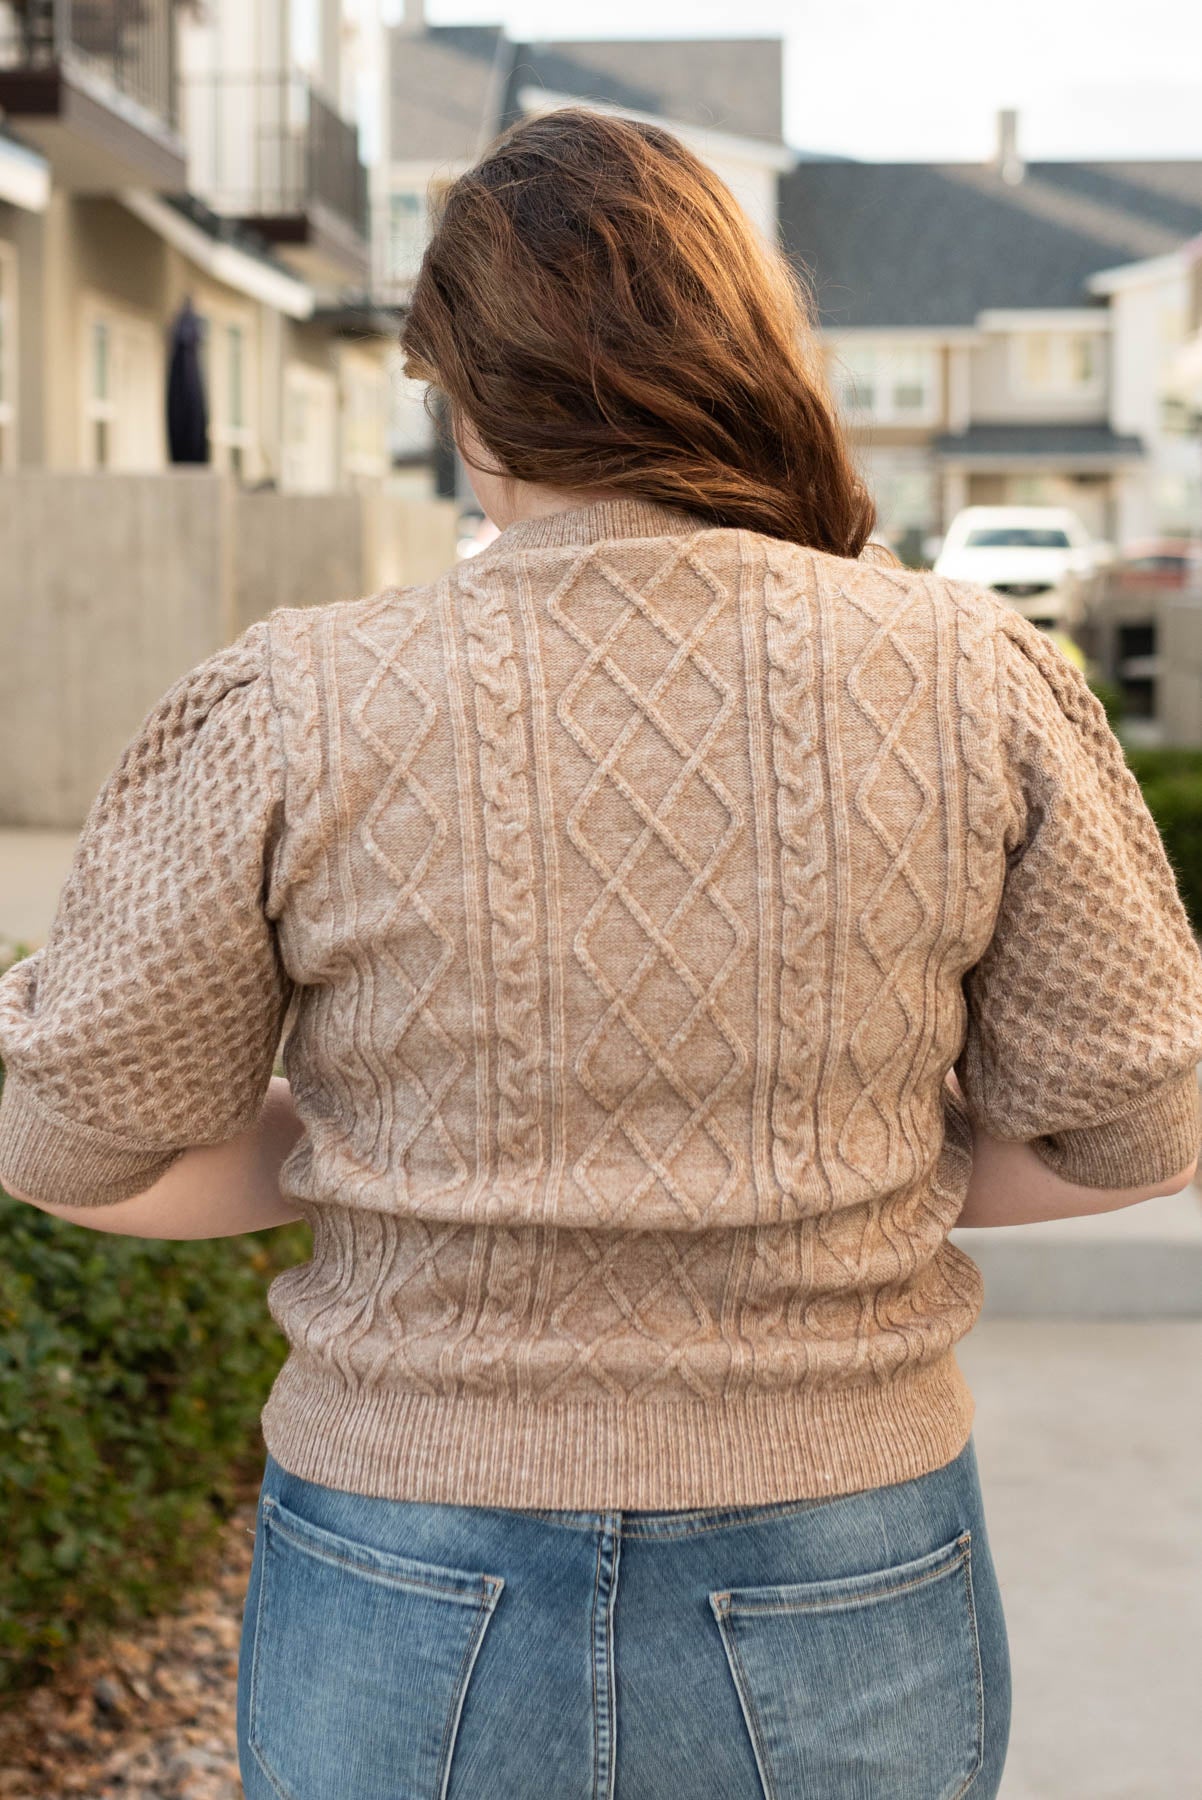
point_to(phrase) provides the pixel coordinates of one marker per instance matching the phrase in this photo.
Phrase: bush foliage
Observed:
(132, 1373)
(1171, 780)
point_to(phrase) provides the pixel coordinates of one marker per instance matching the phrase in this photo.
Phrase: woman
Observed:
(626, 898)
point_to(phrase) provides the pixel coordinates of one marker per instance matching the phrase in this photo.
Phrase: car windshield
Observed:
(1014, 537)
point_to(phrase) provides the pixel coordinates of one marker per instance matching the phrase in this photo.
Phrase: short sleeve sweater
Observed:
(620, 901)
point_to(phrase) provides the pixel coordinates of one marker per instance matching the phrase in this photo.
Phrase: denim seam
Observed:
(651, 1533)
(370, 1571)
(978, 1676)
(252, 1733)
(755, 1729)
(442, 1768)
(593, 1662)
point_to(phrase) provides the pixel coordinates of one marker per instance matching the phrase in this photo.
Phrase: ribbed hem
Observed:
(589, 1455)
(596, 521)
(1155, 1141)
(65, 1163)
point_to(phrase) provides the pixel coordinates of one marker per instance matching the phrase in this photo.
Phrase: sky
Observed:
(889, 81)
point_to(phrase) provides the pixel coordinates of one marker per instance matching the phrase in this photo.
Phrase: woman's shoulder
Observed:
(876, 569)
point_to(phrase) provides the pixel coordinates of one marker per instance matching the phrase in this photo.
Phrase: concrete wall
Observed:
(296, 550)
(112, 586)
(406, 540)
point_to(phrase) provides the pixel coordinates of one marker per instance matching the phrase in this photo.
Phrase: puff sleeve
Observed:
(1084, 1015)
(150, 1019)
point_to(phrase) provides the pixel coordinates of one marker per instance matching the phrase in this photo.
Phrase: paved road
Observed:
(1088, 1442)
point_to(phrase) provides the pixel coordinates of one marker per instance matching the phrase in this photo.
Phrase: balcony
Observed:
(269, 151)
(92, 84)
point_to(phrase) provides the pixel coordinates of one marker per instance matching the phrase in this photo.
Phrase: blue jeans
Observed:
(806, 1650)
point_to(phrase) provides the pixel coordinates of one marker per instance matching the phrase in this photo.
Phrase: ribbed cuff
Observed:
(64, 1163)
(1155, 1141)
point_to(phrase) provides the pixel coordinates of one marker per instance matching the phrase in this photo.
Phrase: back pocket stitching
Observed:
(724, 1615)
(721, 1600)
(746, 1698)
(451, 1731)
(978, 1676)
(483, 1604)
(487, 1593)
(252, 1728)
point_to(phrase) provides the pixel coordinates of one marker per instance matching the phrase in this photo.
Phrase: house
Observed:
(452, 89)
(972, 331)
(157, 154)
(1153, 312)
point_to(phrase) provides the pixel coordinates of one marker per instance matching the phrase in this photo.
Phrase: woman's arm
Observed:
(1011, 1185)
(215, 1190)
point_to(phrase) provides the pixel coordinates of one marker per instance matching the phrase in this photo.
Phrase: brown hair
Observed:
(596, 304)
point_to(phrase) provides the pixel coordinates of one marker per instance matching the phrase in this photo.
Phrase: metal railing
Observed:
(128, 46)
(269, 146)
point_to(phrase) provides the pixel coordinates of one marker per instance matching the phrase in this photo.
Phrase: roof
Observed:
(453, 87)
(935, 244)
(446, 91)
(720, 84)
(1055, 443)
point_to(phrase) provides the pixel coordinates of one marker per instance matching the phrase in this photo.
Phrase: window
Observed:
(892, 384)
(8, 356)
(364, 418)
(1037, 361)
(310, 448)
(227, 356)
(101, 410)
(235, 363)
(406, 234)
(1060, 362)
(122, 384)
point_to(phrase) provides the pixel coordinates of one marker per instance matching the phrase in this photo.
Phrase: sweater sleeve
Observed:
(150, 1019)
(1084, 1015)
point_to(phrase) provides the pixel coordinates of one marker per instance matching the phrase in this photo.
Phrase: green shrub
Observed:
(1171, 780)
(1114, 701)
(132, 1373)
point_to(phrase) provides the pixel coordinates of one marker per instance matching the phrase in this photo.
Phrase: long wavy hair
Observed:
(597, 304)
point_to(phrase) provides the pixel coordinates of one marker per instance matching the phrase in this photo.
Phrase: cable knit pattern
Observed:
(623, 899)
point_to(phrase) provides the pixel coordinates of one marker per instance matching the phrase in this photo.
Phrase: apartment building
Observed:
(155, 155)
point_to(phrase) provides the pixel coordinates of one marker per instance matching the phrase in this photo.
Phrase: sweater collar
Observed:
(630, 517)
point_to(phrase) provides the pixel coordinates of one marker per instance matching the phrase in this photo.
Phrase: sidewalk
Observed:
(1091, 1467)
(33, 867)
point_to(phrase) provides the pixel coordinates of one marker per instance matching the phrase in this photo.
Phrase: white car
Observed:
(1040, 559)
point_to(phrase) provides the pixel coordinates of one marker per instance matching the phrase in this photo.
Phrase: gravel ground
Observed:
(150, 1716)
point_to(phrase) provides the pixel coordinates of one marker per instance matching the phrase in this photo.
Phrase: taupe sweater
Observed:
(623, 898)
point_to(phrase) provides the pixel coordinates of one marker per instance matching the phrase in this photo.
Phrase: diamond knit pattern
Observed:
(626, 896)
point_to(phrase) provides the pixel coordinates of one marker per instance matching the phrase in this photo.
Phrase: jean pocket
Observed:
(360, 1664)
(864, 1685)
